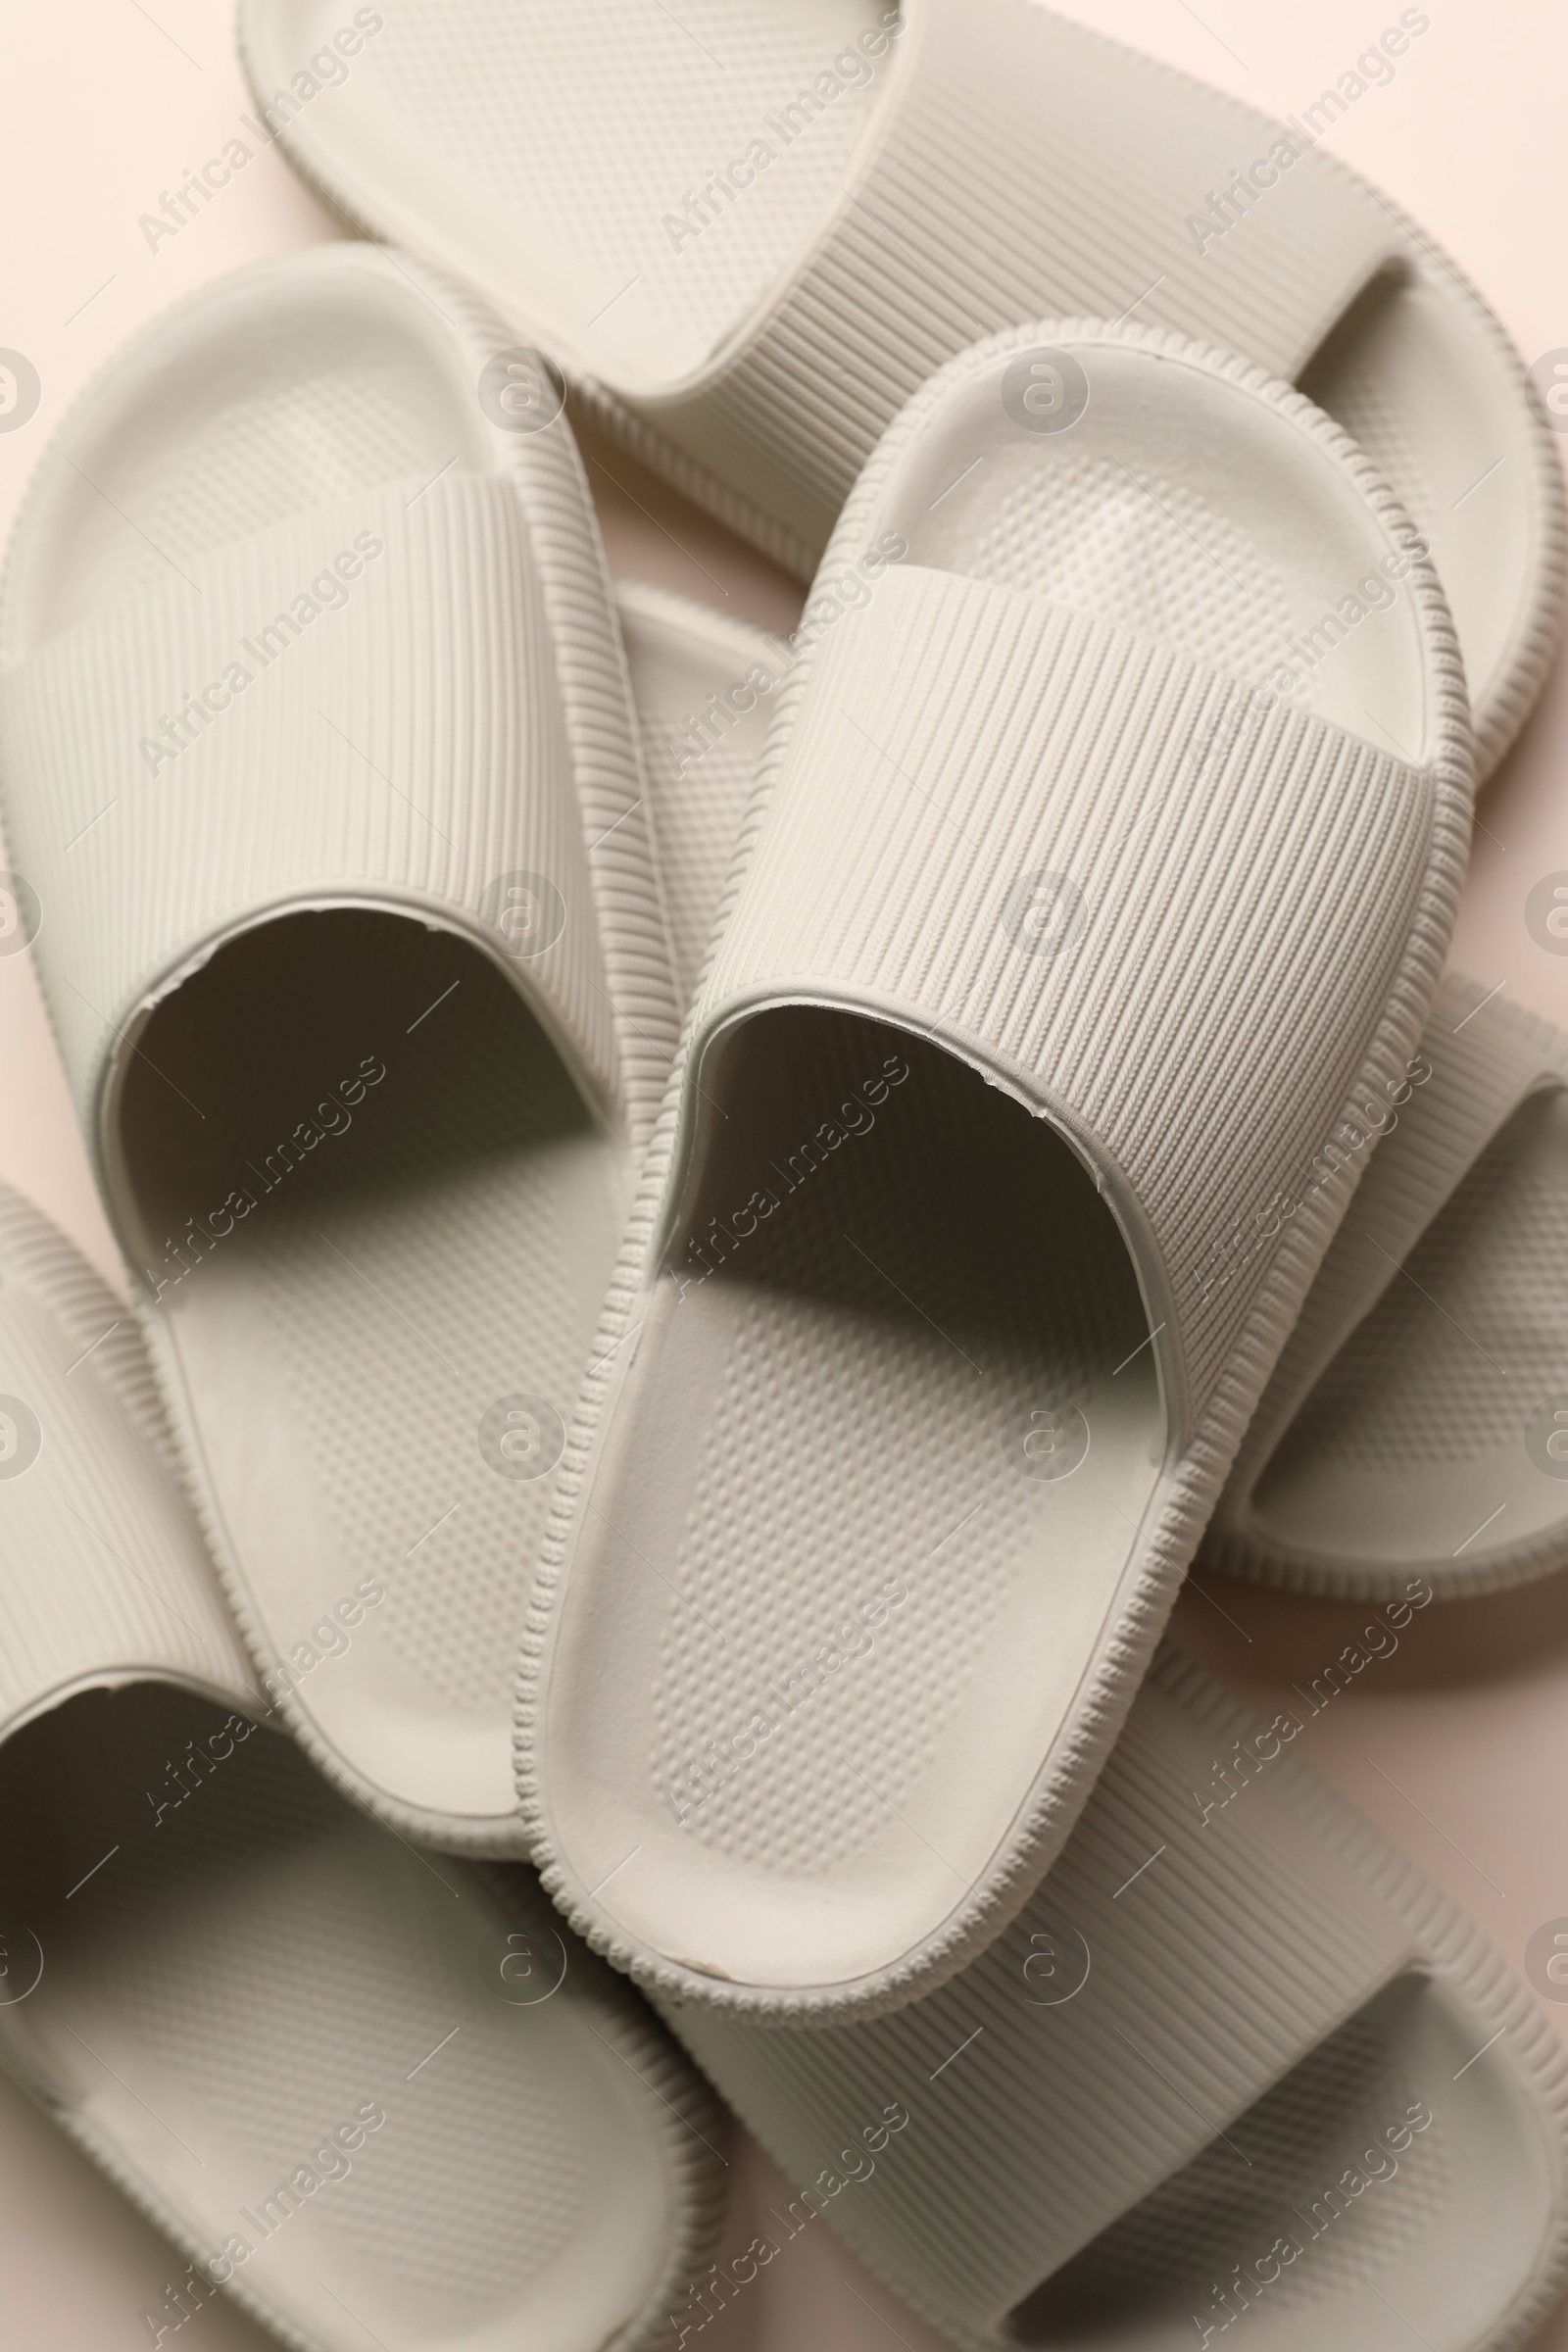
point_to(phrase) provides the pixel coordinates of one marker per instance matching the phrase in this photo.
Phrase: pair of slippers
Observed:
(319, 754)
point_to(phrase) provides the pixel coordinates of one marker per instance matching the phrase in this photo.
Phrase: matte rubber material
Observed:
(1417, 1422)
(1236, 2066)
(358, 961)
(749, 233)
(361, 2091)
(916, 1389)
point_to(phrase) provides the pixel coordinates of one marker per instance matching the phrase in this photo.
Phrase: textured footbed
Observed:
(882, 1457)
(376, 1352)
(358, 1175)
(402, 2091)
(488, 113)
(1172, 2250)
(1431, 1434)
(375, 2098)
(1195, 2253)
(861, 1418)
(468, 131)
(1242, 2066)
(445, 1246)
(379, 2096)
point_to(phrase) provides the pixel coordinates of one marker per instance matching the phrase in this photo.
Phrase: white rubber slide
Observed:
(1237, 2066)
(318, 753)
(373, 2099)
(749, 230)
(914, 1391)
(1416, 1425)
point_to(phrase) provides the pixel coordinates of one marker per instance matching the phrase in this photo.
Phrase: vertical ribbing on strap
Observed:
(619, 832)
(1283, 875)
(620, 837)
(589, 673)
(101, 1570)
(970, 214)
(1165, 1546)
(411, 742)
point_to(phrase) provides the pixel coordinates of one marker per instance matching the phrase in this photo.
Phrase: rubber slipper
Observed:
(750, 233)
(1237, 2063)
(318, 751)
(704, 688)
(1416, 1426)
(374, 2100)
(910, 1400)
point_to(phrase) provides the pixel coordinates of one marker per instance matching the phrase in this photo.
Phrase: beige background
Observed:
(1458, 1745)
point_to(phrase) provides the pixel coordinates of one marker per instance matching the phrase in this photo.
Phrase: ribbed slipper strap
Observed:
(101, 1574)
(386, 729)
(1010, 826)
(1204, 1928)
(1477, 1065)
(1023, 168)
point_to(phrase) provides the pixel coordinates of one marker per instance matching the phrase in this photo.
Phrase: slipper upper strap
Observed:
(1023, 168)
(1012, 828)
(1216, 1915)
(1478, 1063)
(102, 1572)
(359, 705)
